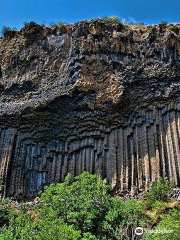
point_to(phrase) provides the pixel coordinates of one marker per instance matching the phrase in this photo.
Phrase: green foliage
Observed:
(59, 24)
(25, 23)
(84, 208)
(4, 215)
(134, 216)
(171, 221)
(159, 191)
(163, 24)
(174, 28)
(4, 200)
(27, 228)
(6, 212)
(21, 227)
(159, 207)
(87, 204)
(134, 213)
(111, 226)
(151, 28)
(5, 30)
(112, 19)
(82, 203)
(62, 27)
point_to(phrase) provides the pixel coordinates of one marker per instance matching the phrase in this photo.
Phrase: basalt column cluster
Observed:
(95, 96)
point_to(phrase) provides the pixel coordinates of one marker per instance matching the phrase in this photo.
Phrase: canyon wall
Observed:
(93, 96)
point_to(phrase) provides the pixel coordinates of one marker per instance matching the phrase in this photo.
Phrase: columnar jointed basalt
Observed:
(94, 96)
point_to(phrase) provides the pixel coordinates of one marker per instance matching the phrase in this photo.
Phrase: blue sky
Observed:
(14, 13)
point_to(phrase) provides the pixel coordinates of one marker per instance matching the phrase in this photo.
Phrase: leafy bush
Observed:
(159, 207)
(4, 215)
(62, 27)
(6, 212)
(111, 226)
(5, 30)
(159, 191)
(59, 24)
(163, 24)
(112, 19)
(134, 216)
(25, 23)
(21, 227)
(174, 28)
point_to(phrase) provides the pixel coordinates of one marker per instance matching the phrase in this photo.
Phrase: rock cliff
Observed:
(93, 96)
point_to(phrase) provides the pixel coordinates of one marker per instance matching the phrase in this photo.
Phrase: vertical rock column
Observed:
(7, 146)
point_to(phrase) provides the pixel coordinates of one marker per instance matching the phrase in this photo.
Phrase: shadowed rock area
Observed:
(93, 96)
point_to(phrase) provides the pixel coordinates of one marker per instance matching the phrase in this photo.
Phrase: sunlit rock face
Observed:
(95, 96)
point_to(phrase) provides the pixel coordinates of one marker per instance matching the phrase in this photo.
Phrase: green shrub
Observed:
(112, 19)
(134, 216)
(112, 224)
(26, 227)
(159, 207)
(4, 215)
(6, 212)
(174, 28)
(25, 23)
(5, 30)
(170, 222)
(159, 191)
(4, 201)
(62, 27)
(59, 24)
(163, 24)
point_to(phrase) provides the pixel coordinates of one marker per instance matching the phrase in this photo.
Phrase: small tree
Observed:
(60, 24)
(163, 24)
(160, 191)
(25, 23)
(62, 27)
(81, 203)
(5, 30)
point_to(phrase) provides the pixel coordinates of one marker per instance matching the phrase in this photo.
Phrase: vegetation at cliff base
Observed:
(84, 208)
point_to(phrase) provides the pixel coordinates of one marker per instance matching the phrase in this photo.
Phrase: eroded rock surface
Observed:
(94, 96)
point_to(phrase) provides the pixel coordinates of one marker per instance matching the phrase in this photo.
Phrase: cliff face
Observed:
(94, 96)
